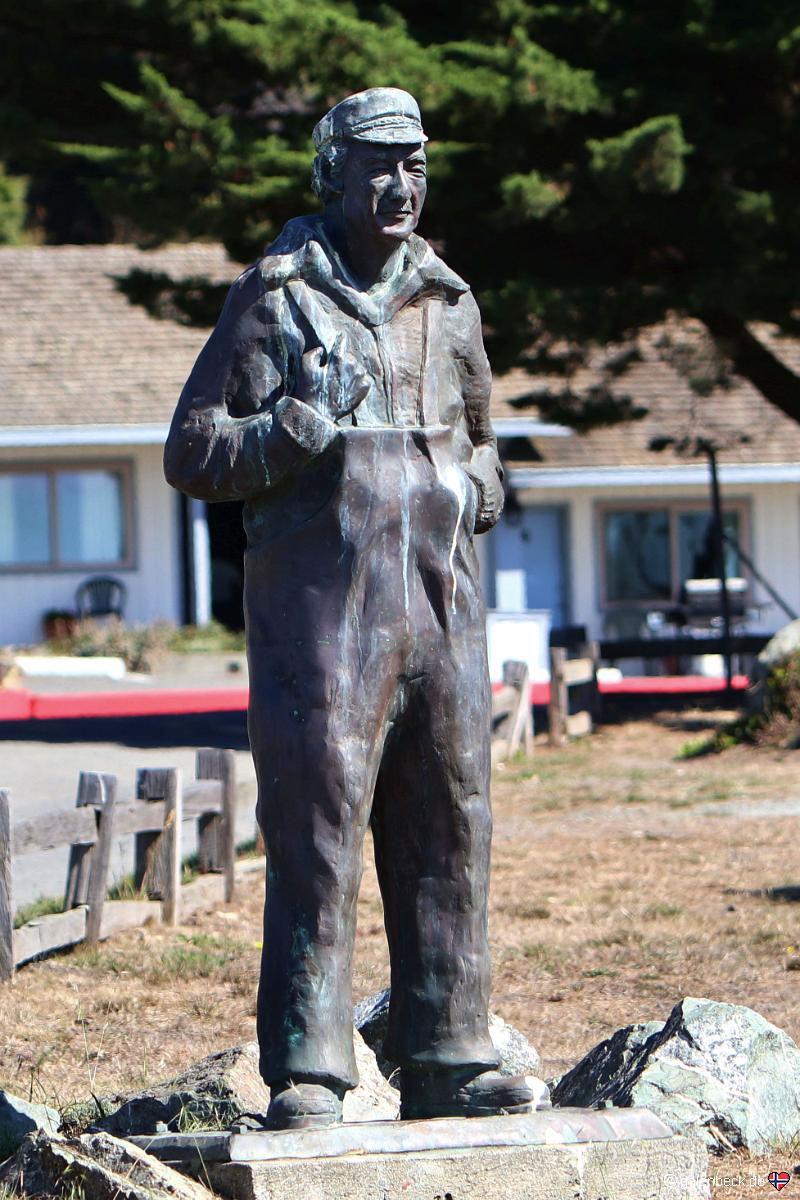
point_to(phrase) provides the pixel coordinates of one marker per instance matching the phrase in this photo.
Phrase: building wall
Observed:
(774, 540)
(154, 581)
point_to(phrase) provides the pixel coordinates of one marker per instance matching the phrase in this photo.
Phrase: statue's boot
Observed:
(463, 1094)
(302, 1106)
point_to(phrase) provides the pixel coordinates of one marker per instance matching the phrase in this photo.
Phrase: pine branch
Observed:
(751, 358)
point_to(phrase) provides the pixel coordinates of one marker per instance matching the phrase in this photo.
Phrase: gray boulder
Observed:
(96, 1166)
(778, 649)
(719, 1071)
(221, 1089)
(518, 1057)
(374, 1099)
(602, 1066)
(213, 1093)
(19, 1117)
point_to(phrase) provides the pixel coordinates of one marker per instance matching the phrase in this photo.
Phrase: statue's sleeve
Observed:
(235, 431)
(484, 467)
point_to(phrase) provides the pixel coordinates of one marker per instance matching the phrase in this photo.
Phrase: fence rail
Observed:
(155, 819)
(567, 673)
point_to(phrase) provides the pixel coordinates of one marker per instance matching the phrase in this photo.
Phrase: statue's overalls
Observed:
(368, 680)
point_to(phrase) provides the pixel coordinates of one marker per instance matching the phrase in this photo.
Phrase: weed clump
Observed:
(776, 721)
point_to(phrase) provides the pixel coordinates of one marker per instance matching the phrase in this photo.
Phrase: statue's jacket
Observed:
(369, 691)
(417, 339)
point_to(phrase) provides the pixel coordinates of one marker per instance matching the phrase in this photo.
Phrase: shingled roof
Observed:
(74, 350)
(667, 406)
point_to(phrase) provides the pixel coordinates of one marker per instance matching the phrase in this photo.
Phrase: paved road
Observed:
(40, 762)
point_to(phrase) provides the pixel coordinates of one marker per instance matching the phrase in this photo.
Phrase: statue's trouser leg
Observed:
(315, 788)
(366, 617)
(432, 827)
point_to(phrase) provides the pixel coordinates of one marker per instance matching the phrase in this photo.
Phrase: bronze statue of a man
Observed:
(343, 397)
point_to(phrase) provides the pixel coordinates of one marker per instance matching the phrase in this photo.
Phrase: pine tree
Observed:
(594, 164)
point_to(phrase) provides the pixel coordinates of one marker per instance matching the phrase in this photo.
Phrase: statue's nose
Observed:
(400, 187)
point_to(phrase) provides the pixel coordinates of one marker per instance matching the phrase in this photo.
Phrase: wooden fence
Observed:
(155, 818)
(512, 716)
(567, 673)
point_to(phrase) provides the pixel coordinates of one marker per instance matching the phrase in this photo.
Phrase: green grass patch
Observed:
(547, 958)
(43, 906)
(653, 911)
(249, 849)
(124, 889)
(209, 639)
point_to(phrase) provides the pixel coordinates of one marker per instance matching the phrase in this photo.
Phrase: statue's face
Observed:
(383, 189)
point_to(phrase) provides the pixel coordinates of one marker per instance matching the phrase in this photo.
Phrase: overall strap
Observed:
(433, 310)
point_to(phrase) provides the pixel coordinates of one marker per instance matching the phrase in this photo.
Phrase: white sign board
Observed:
(522, 636)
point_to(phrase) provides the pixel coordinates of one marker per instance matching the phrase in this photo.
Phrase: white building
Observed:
(600, 531)
(606, 530)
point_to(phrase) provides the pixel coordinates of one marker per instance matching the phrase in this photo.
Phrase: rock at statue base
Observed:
(374, 1099)
(518, 1056)
(720, 1071)
(216, 1091)
(778, 650)
(97, 1166)
(20, 1117)
(221, 1089)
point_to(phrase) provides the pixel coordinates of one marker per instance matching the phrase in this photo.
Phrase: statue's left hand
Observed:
(332, 380)
(485, 472)
(308, 428)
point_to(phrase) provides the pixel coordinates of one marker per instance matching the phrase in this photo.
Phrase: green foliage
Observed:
(143, 647)
(776, 724)
(211, 638)
(140, 646)
(648, 159)
(43, 906)
(593, 165)
(13, 211)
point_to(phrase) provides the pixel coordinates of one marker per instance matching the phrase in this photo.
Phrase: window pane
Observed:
(24, 519)
(637, 555)
(90, 516)
(696, 556)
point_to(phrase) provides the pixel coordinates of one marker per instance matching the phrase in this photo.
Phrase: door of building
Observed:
(530, 556)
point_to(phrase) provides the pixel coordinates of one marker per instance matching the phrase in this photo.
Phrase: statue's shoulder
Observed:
(435, 271)
(290, 256)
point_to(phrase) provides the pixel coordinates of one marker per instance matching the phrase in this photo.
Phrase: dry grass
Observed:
(610, 902)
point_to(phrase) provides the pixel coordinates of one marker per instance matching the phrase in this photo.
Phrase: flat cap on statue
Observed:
(382, 114)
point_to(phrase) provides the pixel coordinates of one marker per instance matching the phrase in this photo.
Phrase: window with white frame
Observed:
(649, 551)
(66, 516)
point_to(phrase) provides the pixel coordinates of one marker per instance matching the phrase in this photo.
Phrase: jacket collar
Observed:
(302, 251)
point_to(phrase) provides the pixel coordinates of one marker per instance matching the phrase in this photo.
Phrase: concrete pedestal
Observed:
(565, 1154)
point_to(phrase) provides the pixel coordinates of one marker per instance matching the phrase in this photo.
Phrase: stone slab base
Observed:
(670, 1168)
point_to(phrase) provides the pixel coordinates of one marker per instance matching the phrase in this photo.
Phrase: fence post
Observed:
(216, 833)
(520, 732)
(158, 856)
(596, 709)
(81, 854)
(6, 890)
(106, 789)
(559, 697)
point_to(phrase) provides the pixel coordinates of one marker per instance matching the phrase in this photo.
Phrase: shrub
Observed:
(776, 723)
(139, 646)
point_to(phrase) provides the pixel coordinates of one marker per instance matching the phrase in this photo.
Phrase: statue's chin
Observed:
(398, 230)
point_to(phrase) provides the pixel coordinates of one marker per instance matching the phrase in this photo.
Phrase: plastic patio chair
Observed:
(100, 596)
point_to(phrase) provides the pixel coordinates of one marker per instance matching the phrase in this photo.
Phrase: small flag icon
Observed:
(778, 1179)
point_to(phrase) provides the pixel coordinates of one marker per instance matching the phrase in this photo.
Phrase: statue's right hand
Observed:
(311, 430)
(332, 380)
